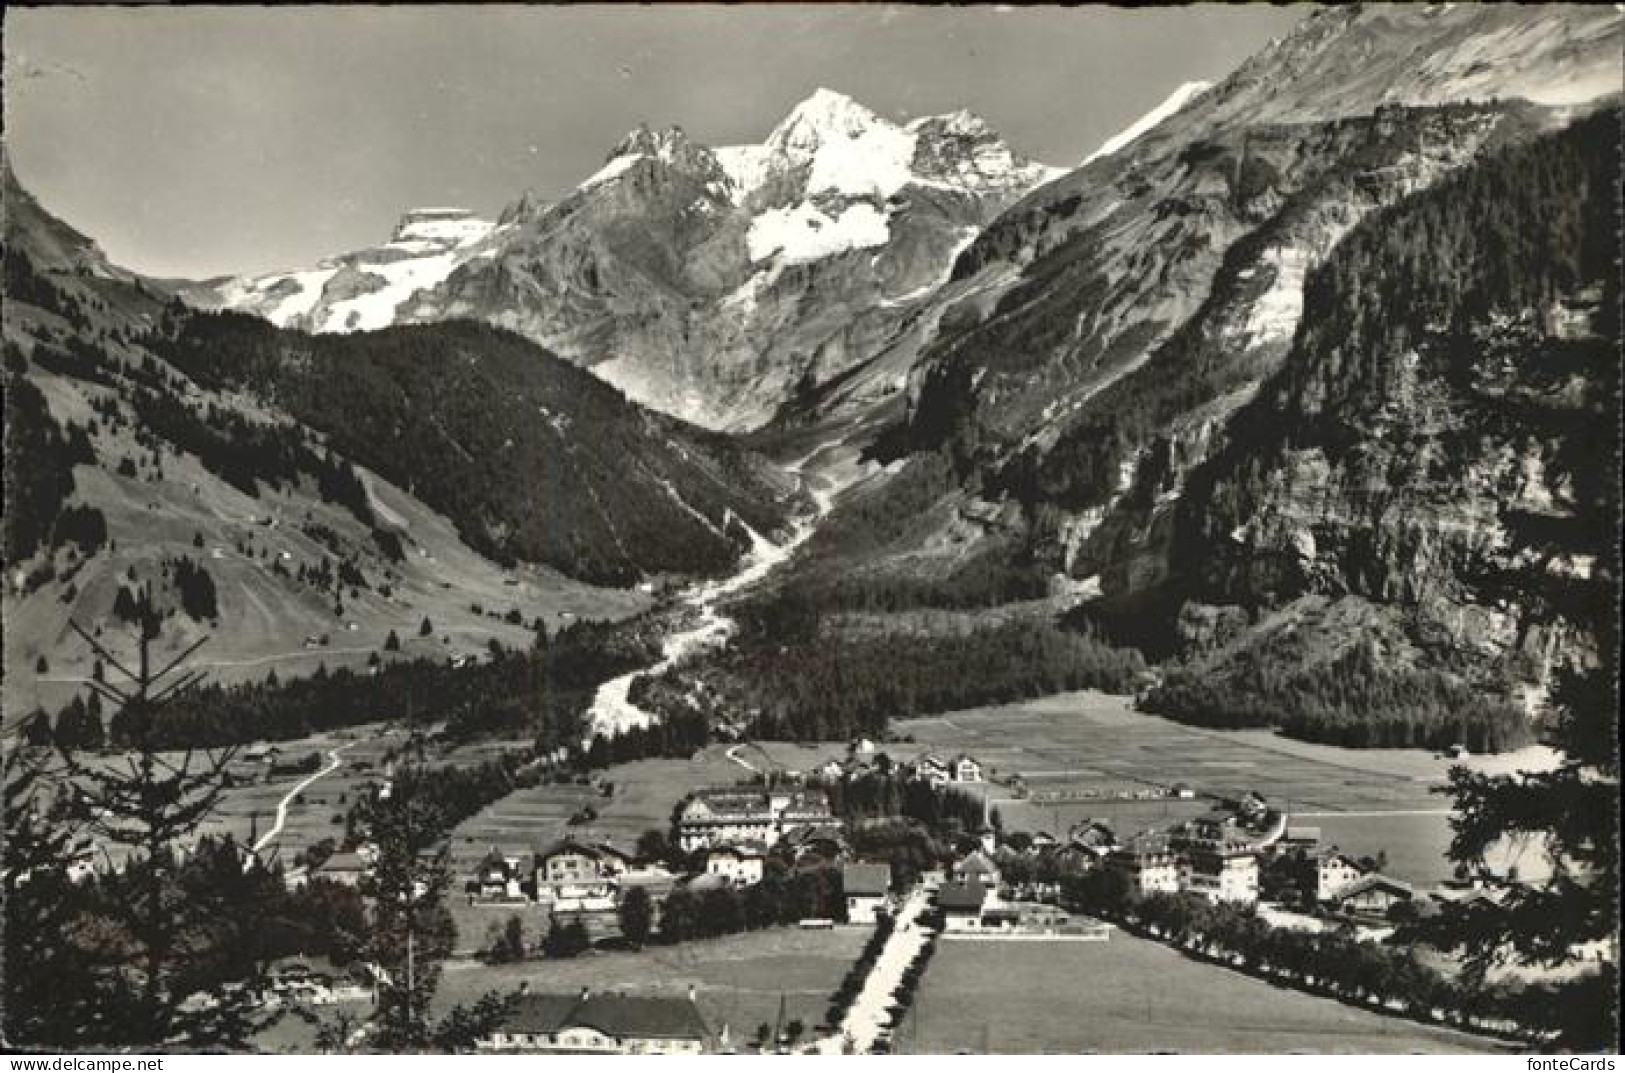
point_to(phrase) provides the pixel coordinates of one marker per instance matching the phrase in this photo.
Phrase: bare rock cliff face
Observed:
(1440, 439)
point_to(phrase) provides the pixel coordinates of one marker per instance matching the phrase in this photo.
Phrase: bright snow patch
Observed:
(611, 170)
(746, 167)
(802, 233)
(402, 279)
(1178, 99)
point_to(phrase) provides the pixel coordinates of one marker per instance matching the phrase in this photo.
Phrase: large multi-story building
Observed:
(1150, 864)
(723, 817)
(569, 870)
(1220, 873)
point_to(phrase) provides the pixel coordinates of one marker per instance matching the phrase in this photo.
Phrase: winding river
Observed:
(612, 710)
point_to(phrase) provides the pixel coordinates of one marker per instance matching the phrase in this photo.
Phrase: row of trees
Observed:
(851, 985)
(1334, 963)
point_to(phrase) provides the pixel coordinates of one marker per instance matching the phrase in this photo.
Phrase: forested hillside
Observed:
(1438, 449)
(531, 457)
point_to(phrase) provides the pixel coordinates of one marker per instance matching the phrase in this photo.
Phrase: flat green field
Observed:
(1130, 995)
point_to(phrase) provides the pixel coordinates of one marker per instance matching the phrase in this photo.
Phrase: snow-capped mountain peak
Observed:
(823, 118)
(1174, 102)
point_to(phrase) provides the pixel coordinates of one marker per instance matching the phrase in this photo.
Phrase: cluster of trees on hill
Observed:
(39, 459)
(541, 692)
(195, 586)
(945, 811)
(243, 452)
(531, 457)
(791, 678)
(25, 283)
(1354, 700)
(678, 735)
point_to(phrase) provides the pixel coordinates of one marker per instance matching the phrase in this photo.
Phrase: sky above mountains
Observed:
(200, 142)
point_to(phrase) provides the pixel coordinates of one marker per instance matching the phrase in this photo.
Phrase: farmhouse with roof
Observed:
(1334, 873)
(866, 887)
(570, 870)
(346, 867)
(962, 903)
(499, 877)
(1372, 896)
(590, 1023)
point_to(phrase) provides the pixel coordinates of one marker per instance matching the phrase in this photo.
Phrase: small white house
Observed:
(866, 888)
(742, 865)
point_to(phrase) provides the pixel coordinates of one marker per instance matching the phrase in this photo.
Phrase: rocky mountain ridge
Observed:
(1101, 341)
(708, 283)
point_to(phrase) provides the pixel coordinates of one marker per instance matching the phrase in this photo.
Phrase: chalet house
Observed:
(807, 842)
(1150, 865)
(866, 887)
(1093, 838)
(1334, 873)
(591, 1023)
(572, 871)
(345, 867)
(499, 877)
(741, 865)
(321, 984)
(1372, 896)
(932, 768)
(749, 814)
(1221, 873)
(961, 904)
(978, 866)
(965, 768)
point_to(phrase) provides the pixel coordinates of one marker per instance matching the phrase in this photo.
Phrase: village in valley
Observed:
(869, 858)
(699, 563)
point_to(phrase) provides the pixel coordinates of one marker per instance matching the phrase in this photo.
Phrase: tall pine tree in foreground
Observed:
(168, 975)
(1567, 920)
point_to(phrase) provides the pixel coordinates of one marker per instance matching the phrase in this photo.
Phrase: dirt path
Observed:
(333, 763)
